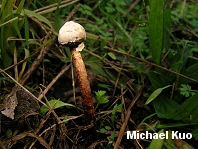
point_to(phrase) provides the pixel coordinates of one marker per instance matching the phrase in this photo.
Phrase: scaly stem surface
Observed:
(87, 101)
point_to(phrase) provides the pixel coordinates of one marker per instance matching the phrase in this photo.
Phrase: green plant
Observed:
(101, 98)
(186, 90)
(103, 129)
(123, 37)
(157, 143)
(53, 104)
(156, 23)
(155, 94)
(10, 27)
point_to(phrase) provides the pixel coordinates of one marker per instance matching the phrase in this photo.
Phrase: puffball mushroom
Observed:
(72, 35)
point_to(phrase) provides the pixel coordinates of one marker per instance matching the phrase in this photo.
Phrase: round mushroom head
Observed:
(72, 34)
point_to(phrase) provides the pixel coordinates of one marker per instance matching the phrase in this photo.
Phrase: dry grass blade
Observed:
(53, 7)
(127, 115)
(40, 139)
(10, 142)
(64, 69)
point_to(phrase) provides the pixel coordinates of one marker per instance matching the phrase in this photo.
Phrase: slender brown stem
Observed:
(127, 116)
(87, 101)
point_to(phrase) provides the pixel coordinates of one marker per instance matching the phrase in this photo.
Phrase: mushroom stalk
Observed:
(87, 101)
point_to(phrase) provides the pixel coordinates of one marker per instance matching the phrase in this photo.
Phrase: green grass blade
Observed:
(39, 17)
(20, 7)
(156, 29)
(6, 6)
(118, 25)
(26, 32)
(58, 21)
(5, 31)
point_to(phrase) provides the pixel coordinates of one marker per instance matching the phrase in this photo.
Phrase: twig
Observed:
(45, 120)
(72, 13)
(128, 113)
(18, 86)
(53, 7)
(133, 5)
(119, 72)
(150, 63)
(64, 69)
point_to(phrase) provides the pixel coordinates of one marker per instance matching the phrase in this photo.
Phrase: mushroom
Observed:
(72, 35)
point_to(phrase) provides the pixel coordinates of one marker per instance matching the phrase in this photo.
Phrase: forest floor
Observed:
(41, 105)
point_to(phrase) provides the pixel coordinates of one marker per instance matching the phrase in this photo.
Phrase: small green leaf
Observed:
(155, 94)
(65, 119)
(112, 137)
(112, 55)
(102, 130)
(8, 133)
(46, 61)
(100, 93)
(185, 90)
(107, 127)
(116, 108)
(101, 98)
(54, 104)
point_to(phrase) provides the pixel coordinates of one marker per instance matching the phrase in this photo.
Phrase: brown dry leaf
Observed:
(10, 107)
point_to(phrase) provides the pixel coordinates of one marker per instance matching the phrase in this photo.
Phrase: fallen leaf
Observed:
(10, 107)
